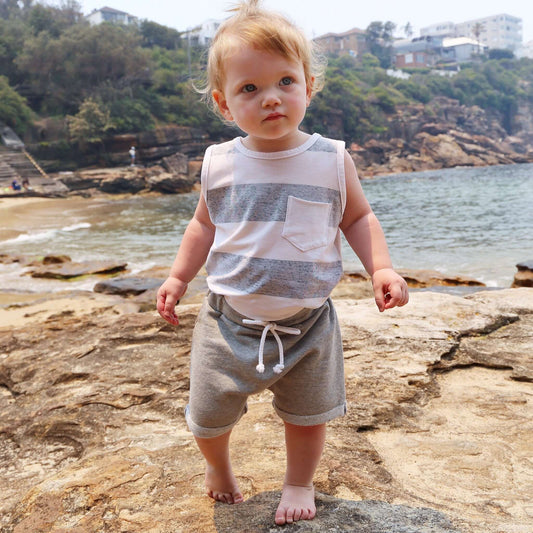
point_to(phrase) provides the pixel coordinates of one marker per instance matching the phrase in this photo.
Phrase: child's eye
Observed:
(285, 81)
(248, 88)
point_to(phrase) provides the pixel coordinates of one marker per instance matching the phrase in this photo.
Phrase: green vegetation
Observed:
(108, 79)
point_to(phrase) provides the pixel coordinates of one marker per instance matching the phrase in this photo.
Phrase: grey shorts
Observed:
(309, 391)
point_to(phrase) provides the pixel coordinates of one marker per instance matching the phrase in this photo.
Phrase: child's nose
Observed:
(271, 97)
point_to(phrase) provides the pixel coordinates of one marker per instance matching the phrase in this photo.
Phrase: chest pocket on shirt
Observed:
(306, 223)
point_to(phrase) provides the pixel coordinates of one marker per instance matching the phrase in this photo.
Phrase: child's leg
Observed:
(304, 449)
(220, 482)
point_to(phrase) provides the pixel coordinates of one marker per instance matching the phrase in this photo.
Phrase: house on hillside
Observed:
(420, 52)
(352, 42)
(461, 49)
(108, 14)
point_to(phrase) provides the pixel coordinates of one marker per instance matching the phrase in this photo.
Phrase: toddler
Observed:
(267, 225)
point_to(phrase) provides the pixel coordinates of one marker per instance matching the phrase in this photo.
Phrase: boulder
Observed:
(167, 183)
(524, 276)
(123, 184)
(127, 286)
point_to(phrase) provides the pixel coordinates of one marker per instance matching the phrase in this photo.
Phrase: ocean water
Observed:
(475, 222)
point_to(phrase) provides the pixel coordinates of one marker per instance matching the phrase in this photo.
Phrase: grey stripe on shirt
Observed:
(266, 202)
(274, 277)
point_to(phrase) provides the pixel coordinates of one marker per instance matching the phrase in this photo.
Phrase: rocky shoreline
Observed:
(440, 134)
(93, 386)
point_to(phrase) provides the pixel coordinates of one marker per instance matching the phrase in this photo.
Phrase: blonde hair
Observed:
(253, 26)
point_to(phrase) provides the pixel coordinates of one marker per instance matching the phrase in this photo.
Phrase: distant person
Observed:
(132, 156)
(15, 185)
(268, 223)
(26, 184)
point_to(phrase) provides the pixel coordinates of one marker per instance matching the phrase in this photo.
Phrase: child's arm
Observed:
(191, 256)
(364, 234)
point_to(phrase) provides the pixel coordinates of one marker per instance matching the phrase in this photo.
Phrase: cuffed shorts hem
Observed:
(209, 433)
(310, 420)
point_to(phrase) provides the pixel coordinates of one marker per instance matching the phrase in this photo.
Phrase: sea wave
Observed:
(39, 236)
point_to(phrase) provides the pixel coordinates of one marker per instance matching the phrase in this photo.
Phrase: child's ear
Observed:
(222, 104)
(309, 90)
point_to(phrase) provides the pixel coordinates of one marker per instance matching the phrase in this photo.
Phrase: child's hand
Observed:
(168, 297)
(390, 289)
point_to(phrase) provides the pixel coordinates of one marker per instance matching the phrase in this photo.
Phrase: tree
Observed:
(13, 109)
(379, 38)
(408, 30)
(477, 30)
(154, 34)
(90, 124)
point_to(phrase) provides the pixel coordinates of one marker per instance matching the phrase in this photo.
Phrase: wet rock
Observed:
(70, 269)
(127, 286)
(524, 276)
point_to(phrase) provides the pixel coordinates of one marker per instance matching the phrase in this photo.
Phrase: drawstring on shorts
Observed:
(274, 328)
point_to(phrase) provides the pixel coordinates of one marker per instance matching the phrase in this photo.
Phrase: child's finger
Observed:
(397, 296)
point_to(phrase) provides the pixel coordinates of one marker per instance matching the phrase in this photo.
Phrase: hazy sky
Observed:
(317, 18)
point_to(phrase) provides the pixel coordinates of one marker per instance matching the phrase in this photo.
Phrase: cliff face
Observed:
(440, 134)
(443, 134)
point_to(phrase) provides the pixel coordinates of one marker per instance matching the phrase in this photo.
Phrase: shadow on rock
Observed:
(256, 515)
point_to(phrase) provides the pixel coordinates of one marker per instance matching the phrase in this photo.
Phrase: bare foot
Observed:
(222, 486)
(297, 503)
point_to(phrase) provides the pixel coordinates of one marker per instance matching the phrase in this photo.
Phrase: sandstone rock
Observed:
(441, 134)
(70, 269)
(123, 184)
(177, 164)
(92, 435)
(128, 180)
(421, 278)
(171, 183)
(524, 276)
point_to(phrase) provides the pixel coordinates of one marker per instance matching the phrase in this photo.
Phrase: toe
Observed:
(280, 516)
(297, 515)
(289, 516)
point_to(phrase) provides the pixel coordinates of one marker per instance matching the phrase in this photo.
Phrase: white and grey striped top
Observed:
(277, 214)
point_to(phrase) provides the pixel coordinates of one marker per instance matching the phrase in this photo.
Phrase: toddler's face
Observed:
(266, 95)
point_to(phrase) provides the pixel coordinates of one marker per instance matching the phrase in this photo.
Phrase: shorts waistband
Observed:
(219, 303)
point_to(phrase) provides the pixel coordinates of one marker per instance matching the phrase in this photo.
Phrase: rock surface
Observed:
(92, 435)
(70, 269)
(440, 134)
(524, 276)
(129, 180)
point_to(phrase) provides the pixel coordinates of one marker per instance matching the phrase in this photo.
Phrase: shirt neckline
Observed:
(276, 155)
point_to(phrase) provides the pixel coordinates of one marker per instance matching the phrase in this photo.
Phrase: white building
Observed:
(203, 34)
(498, 31)
(526, 50)
(108, 14)
(461, 49)
(442, 29)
